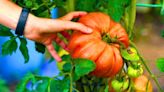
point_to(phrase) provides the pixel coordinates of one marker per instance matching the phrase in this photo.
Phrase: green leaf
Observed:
(24, 50)
(106, 89)
(58, 85)
(4, 31)
(21, 87)
(116, 8)
(66, 58)
(28, 3)
(160, 64)
(3, 86)
(83, 67)
(88, 5)
(67, 67)
(39, 47)
(42, 85)
(162, 33)
(130, 54)
(60, 65)
(162, 9)
(9, 46)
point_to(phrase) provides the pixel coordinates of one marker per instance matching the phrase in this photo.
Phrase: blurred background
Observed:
(148, 29)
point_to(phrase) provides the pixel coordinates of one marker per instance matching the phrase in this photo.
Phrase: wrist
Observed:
(31, 25)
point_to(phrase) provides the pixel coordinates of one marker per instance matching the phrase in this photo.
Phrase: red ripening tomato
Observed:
(92, 46)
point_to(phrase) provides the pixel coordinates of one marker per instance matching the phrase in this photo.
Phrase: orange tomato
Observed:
(141, 83)
(91, 46)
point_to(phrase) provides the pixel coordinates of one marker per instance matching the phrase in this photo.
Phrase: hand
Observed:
(44, 30)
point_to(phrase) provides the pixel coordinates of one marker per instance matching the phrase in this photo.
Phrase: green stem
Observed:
(149, 5)
(49, 85)
(147, 68)
(130, 16)
(71, 83)
(85, 86)
(70, 5)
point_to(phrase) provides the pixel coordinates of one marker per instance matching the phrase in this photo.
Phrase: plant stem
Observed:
(71, 83)
(149, 5)
(147, 68)
(70, 5)
(130, 16)
(49, 85)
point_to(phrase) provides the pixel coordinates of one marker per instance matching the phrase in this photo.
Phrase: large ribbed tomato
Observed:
(91, 46)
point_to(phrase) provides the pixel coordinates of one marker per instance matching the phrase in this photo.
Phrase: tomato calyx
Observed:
(106, 38)
(135, 71)
(120, 84)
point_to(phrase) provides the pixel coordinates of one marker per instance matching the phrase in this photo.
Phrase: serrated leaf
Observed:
(24, 50)
(83, 67)
(116, 8)
(9, 46)
(160, 64)
(130, 54)
(60, 85)
(4, 31)
(39, 47)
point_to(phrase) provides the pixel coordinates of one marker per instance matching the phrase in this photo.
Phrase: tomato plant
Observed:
(105, 60)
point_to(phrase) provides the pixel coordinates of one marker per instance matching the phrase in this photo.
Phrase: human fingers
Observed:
(62, 25)
(60, 42)
(52, 51)
(72, 15)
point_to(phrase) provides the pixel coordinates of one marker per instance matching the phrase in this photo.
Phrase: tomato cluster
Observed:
(108, 46)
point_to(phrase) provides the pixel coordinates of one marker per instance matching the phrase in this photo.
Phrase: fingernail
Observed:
(89, 30)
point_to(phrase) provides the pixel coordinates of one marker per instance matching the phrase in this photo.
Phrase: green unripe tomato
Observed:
(120, 85)
(134, 73)
(130, 54)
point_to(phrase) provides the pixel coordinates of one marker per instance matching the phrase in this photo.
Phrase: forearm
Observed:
(10, 13)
